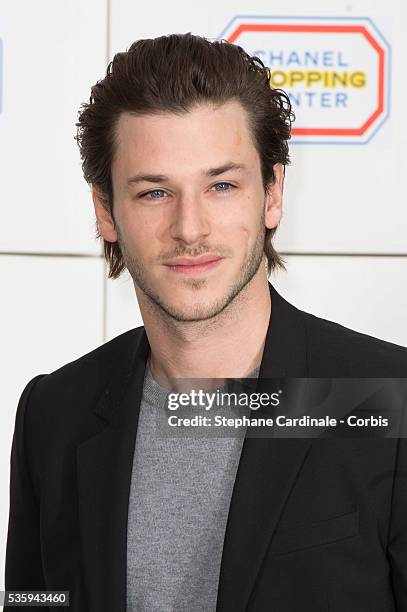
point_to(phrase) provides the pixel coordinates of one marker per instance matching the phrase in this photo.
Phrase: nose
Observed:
(190, 222)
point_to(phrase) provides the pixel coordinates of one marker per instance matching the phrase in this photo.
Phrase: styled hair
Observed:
(173, 74)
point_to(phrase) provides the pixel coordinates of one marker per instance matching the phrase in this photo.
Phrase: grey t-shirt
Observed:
(180, 494)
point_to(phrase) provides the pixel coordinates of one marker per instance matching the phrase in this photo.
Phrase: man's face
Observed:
(189, 187)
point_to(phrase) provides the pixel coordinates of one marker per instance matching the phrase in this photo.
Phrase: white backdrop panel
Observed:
(51, 312)
(338, 198)
(366, 294)
(53, 51)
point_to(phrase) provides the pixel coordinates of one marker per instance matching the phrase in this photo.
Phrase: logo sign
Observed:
(335, 71)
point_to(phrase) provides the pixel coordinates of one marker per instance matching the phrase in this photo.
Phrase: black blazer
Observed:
(314, 525)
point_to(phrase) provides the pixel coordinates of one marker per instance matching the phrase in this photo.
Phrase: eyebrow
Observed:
(160, 178)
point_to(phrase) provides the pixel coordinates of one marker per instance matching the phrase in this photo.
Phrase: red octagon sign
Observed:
(336, 72)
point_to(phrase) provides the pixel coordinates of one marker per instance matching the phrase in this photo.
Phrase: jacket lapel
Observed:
(104, 466)
(267, 470)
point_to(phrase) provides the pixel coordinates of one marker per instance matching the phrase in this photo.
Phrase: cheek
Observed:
(240, 235)
(242, 224)
(140, 229)
(242, 211)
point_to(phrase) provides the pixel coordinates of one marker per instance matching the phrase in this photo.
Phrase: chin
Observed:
(198, 309)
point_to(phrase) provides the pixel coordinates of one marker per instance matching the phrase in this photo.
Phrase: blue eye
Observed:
(151, 196)
(229, 186)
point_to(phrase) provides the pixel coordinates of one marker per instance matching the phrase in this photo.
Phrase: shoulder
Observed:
(67, 394)
(336, 350)
(55, 412)
(94, 367)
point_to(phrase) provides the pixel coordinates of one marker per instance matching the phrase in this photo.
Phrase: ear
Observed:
(274, 198)
(104, 218)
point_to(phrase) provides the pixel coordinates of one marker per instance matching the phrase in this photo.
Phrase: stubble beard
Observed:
(201, 312)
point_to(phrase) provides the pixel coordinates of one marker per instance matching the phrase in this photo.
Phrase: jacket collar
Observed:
(285, 349)
(265, 475)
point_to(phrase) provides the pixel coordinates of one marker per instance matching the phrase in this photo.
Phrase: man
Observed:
(184, 144)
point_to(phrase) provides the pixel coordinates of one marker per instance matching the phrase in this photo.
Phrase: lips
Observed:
(193, 261)
(194, 265)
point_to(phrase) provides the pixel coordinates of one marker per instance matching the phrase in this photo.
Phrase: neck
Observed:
(229, 345)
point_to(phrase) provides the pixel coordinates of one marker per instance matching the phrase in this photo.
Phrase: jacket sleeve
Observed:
(23, 567)
(397, 546)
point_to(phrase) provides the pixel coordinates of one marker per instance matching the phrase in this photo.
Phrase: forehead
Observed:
(202, 137)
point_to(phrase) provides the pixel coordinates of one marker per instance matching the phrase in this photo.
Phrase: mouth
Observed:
(192, 269)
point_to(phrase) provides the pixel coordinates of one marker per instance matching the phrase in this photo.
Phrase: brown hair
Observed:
(172, 74)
